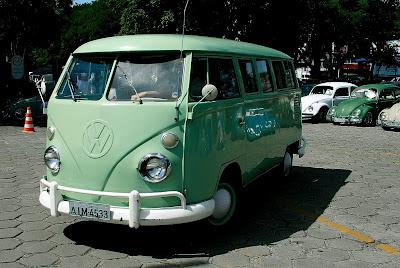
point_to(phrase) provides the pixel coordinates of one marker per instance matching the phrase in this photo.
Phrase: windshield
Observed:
(85, 79)
(147, 78)
(369, 93)
(326, 90)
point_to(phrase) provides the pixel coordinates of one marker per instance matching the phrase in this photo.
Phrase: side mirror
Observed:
(209, 92)
(43, 87)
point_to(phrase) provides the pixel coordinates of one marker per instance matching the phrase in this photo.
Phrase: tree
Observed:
(88, 22)
(25, 26)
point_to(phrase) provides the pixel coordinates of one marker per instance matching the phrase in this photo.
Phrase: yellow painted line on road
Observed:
(345, 230)
(389, 249)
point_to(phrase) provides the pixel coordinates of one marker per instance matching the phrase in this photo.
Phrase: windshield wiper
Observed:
(131, 84)
(71, 86)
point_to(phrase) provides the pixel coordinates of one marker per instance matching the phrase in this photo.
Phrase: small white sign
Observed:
(17, 67)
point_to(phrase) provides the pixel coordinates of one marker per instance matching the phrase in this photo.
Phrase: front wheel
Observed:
(321, 115)
(226, 204)
(369, 120)
(19, 114)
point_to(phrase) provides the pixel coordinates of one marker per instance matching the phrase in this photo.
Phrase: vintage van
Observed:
(165, 129)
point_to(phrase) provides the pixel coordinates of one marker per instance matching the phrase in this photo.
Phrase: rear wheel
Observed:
(226, 203)
(369, 120)
(287, 164)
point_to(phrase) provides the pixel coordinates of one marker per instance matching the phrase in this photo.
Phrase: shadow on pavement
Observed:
(265, 219)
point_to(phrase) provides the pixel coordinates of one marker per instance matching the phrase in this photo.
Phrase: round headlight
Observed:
(154, 167)
(52, 159)
(383, 116)
(356, 112)
(310, 108)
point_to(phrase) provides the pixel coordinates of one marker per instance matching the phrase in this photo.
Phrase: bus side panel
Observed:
(263, 115)
(214, 137)
(290, 120)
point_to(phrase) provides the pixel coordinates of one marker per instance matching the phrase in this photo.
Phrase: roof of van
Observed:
(173, 42)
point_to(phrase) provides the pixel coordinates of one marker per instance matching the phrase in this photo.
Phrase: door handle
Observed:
(241, 121)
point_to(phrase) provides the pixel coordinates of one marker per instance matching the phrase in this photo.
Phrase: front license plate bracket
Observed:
(89, 210)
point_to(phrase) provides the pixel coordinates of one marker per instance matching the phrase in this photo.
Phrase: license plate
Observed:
(339, 120)
(89, 210)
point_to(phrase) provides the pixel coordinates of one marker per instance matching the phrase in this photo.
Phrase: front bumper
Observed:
(306, 116)
(346, 120)
(390, 123)
(51, 198)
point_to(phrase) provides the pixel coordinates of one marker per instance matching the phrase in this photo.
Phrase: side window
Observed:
(342, 92)
(198, 77)
(290, 78)
(387, 94)
(265, 75)
(280, 75)
(221, 73)
(249, 81)
(397, 93)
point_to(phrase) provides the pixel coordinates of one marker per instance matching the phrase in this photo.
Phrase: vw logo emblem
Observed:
(97, 139)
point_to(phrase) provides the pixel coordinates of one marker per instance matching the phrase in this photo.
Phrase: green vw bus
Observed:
(166, 129)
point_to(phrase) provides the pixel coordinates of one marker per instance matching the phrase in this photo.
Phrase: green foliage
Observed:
(49, 30)
(40, 56)
(154, 16)
(88, 22)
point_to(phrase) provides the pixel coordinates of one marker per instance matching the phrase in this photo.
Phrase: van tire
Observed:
(286, 166)
(227, 191)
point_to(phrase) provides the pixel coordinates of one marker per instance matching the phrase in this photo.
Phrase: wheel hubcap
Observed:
(223, 201)
(225, 204)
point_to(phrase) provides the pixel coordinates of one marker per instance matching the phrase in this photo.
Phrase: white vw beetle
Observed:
(390, 118)
(322, 97)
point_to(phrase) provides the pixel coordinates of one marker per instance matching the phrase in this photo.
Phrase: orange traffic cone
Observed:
(28, 127)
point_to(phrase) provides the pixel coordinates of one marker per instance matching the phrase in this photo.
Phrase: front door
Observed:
(260, 124)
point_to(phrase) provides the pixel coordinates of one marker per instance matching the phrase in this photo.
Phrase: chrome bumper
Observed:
(50, 197)
(306, 116)
(390, 123)
(346, 120)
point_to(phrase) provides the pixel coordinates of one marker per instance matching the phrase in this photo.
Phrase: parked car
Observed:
(16, 110)
(390, 118)
(365, 104)
(315, 106)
